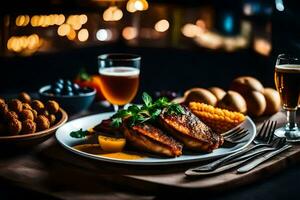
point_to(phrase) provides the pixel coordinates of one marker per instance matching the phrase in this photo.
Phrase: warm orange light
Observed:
(191, 30)
(83, 19)
(63, 30)
(83, 35)
(22, 20)
(129, 33)
(71, 35)
(162, 25)
(113, 13)
(262, 46)
(24, 43)
(137, 5)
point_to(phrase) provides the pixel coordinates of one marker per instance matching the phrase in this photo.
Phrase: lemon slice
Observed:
(111, 144)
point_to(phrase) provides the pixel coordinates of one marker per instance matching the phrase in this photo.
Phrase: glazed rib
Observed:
(147, 137)
(191, 131)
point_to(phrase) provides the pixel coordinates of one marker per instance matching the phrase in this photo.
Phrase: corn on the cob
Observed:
(220, 120)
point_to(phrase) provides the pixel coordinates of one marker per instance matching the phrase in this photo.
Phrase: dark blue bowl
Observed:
(72, 104)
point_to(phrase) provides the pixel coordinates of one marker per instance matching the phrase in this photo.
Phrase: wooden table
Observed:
(41, 171)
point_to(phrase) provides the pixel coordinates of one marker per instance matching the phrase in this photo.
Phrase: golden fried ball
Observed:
(35, 114)
(27, 106)
(28, 126)
(15, 105)
(42, 123)
(24, 97)
(26, 114)
(51, 119)
(3, 108)
(14, 126)
(2, 101)
(10, 115)
(52, 106)
(38, 106)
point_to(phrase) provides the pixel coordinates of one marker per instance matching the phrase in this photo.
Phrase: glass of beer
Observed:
(119, 74)
(287, 80)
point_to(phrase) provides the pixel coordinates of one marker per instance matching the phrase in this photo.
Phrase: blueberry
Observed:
(56, 91)
(58, 85)
(67, 89)
(61, 81)
(75, 86)
(69, 83)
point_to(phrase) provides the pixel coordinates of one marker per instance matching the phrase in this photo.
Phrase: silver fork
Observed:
(236, 135)
(276, 144)
(262, 139)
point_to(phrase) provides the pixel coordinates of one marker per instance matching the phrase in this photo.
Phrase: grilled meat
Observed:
(147, 137)
(191, 131)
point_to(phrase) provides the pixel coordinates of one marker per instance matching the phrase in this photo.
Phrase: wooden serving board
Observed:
(161, 178)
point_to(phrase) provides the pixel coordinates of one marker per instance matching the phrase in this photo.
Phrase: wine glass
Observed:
(287, 80)
(119, 74)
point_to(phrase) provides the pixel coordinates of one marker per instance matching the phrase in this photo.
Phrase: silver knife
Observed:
(258, 161)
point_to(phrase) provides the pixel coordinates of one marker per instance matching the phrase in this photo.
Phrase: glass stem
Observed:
(291, 119)
(116, 108)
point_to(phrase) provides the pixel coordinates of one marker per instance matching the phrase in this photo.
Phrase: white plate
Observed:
(64, 138)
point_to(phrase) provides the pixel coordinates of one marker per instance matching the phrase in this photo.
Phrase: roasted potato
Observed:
(244, 84)
(218, 92)
(200, 95)
(51, 119)
(233, 101)
(272, 100)
(256, 103)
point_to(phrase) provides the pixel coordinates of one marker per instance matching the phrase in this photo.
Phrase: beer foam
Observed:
(288, 68)
(119, 71)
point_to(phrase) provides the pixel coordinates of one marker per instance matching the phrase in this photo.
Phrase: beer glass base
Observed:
(291, 136)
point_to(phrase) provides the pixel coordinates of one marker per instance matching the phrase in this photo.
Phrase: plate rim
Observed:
(141, 162)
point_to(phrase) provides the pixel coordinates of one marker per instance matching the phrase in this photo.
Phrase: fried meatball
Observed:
(38, 106)
(27, 106)
(3, 108)
(28, 126)
(51, 119)
(35, 114)
(2, 101)
(10, 115)
(14, 126)
(15, 105)
(52, 106)
(42, 123)
(24, 97)
(26, 114)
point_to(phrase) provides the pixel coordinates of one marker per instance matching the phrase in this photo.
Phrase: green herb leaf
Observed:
(147, 99)
(78, 134)
(149, 111)
(116, 122)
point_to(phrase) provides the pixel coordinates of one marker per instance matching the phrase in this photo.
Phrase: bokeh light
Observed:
(162, 25)
(83, 35)
(113, 13)
(129, 33)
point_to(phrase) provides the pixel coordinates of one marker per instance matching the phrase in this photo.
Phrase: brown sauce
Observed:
(95, 149)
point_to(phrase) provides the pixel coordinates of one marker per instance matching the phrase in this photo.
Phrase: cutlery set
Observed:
(263, 147)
